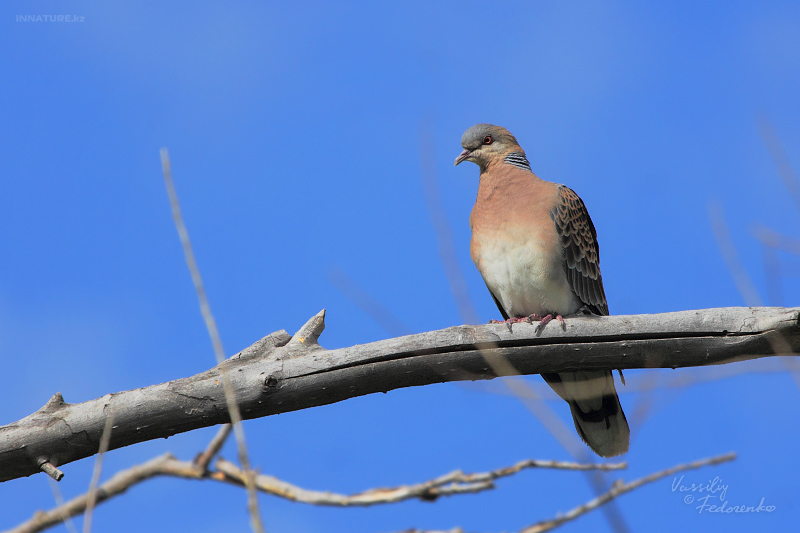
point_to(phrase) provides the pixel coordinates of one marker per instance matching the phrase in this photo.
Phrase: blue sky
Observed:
(294, 131)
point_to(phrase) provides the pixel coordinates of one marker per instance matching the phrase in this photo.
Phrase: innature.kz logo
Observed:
(50, 18)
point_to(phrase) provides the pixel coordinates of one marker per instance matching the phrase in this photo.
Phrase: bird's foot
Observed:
(515, 320)
(543, 321)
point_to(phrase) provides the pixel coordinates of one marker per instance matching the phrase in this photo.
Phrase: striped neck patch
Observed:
(519, 160)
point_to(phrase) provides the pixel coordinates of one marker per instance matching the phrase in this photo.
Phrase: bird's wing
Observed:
(581, 252)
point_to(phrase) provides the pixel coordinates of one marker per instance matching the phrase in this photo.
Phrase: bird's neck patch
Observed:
(519, 160)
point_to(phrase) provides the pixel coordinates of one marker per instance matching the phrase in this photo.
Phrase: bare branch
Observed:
(621, 488)
(618, 489)
(166, 465)
(204, 459)
(455, 482)
(274, 377)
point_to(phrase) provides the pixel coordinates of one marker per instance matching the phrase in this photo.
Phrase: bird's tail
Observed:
(595, 409)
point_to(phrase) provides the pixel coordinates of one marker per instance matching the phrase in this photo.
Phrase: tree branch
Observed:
(280, 373)
(166, 465)
(618, 489)
(455, 482)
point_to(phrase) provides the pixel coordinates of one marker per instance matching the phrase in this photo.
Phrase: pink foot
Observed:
(547, 318)
(543, 320)
(515, 320)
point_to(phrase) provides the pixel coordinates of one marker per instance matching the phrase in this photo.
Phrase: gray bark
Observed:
(281, 373)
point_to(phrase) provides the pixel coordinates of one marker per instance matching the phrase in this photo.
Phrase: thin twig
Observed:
(204, 459)
(791, 181)
(773, 239)
(167, 465)
(731, 256)
(364, 300)
(211, 324)
(779, 345)
(772, 275)
(59, 498)
(455, 482)
(643, 404)
(444, 233)
(619, 489)
(91, 497)
(786, 171)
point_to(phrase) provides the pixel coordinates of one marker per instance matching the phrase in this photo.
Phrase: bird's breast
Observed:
(515, 245)
(524, 271)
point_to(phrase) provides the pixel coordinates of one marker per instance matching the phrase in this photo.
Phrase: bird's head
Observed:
(484, 142)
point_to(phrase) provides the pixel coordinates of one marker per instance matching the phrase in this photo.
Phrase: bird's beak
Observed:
(462, 156)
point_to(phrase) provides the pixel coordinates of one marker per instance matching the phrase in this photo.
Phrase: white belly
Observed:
(525, 280)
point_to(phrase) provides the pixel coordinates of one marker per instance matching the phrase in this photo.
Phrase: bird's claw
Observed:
(530, 319)
(546, 320)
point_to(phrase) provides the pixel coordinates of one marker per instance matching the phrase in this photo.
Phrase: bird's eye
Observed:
(488, 139)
